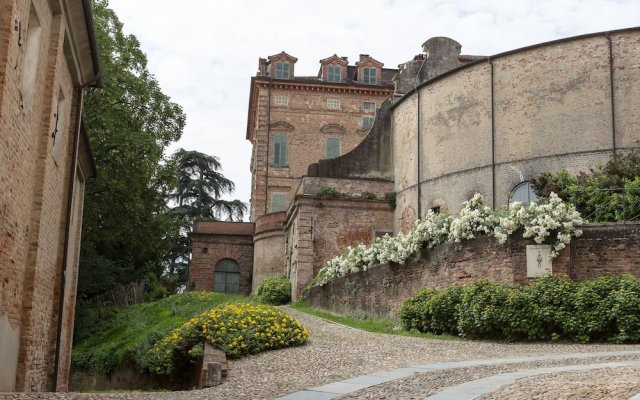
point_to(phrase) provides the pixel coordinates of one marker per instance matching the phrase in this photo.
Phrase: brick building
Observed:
(294, 121)
(451, 125)
(47, 57)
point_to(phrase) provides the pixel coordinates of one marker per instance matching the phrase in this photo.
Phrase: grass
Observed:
(387, 326)
(121, 341)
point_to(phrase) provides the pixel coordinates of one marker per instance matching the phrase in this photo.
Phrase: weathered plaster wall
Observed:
(517, 114)
(381, 290)
(269, 248)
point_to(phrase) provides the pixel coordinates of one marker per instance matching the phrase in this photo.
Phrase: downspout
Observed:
(419, 161)
(67, 233)
(268, 144)
(493, 143)
(611, 85)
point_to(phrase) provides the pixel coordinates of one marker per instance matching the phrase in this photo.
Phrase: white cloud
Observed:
(204, 53)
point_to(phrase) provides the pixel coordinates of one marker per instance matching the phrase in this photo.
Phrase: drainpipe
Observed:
(611, 85)
(415, 89)
(493, 142)
(67, 232)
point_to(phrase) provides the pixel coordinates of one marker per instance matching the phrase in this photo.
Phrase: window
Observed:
(280, 150)
(331, 148)
(281, 101)
(334, 73)
(333, 104)
(369, 106)
(367, 121)
(279, 202)
(436, 209)
(31, 57)
(226, 276)
(369, 76)
(282, 70)
(523, 193)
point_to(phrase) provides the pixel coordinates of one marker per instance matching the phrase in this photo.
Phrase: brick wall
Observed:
(488, 126)
(212, 242)
(381, 290)
(38, 86)
(318, 229)
(308, 123)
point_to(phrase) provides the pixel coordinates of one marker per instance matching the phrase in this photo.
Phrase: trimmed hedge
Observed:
(275, 290)
(606, 308)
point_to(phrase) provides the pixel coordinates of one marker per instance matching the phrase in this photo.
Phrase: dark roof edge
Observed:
(509, 52)
(91, 32)
(354, 84)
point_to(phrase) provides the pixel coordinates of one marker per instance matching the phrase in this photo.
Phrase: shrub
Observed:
(481, 308)
(368, 195)
(275, 290)
(390, 197)
(606, 308)
(551, 308)
(414, 314)
(236, 329)
(328, 193)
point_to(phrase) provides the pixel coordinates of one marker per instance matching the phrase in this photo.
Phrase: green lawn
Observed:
(121, 341)
(388, 326)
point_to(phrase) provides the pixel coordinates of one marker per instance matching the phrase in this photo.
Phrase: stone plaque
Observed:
(538, 261)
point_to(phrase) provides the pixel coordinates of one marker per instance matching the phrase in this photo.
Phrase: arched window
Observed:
(226, 276)
(523, 193)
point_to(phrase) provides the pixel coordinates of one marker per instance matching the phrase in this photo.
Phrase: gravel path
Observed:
(336, 352)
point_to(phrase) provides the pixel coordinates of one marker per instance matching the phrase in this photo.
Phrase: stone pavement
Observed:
(469, 390)
(344, 362)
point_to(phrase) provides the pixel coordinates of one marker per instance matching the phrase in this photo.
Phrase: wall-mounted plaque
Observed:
(538, 261)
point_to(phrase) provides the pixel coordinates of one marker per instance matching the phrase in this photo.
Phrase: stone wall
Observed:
(40, 99)
(213, 241)
(489, 125)
(381, 290)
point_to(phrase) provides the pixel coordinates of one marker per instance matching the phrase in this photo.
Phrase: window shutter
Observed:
(332, 148)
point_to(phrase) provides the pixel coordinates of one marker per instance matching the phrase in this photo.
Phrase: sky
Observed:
(203, 53)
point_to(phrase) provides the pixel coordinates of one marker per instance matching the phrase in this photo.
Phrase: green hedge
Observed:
(275, 290)
(606, 308)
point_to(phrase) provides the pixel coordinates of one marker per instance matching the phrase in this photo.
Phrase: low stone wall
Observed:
(380, 291)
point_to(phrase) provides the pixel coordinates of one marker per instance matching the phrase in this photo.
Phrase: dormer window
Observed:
(369, 77)
(334, 73)
(282, 70)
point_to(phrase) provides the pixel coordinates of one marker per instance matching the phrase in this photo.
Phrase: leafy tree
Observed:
(127, 229)
(201, 186)
(605, 194)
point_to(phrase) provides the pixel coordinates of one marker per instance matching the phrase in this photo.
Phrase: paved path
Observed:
(337, 353)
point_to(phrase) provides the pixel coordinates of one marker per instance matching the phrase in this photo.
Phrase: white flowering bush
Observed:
(553, 221)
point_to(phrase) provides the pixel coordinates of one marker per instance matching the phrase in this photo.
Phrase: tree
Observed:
(128, 231)
(605, 194)
(201, 186)
(198, 196)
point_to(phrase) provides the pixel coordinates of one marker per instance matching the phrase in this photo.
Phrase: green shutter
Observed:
(278, 202)
(280, 150)
(332, 148)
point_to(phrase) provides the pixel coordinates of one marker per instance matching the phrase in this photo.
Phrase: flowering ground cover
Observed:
(133, 338)
(536, 220)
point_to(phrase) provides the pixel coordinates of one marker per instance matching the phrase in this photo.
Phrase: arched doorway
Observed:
(226, 276)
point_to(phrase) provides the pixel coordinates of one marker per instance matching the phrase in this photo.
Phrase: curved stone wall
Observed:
(489, 125)
(268, 248)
